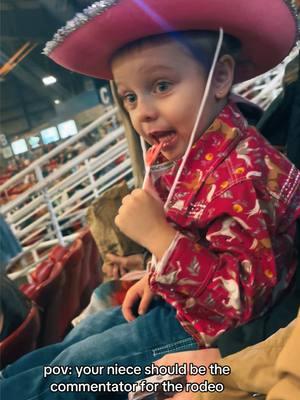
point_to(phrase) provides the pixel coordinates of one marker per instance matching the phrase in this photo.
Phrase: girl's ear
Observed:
(223, 77)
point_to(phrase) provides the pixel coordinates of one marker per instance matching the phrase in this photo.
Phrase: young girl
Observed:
(219, 204)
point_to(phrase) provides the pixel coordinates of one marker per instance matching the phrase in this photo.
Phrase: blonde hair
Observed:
(133, 141)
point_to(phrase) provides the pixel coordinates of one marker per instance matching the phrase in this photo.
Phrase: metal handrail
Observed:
(46, 157)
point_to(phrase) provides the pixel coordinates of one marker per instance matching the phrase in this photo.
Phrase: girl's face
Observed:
(161, 86)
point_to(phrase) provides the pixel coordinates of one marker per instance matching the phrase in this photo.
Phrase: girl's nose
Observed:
(146, 110)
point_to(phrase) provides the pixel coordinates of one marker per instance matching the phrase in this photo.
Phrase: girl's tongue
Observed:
(153, 153)
(165, 137)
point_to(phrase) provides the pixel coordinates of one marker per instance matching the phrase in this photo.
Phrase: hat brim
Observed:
(266, 29)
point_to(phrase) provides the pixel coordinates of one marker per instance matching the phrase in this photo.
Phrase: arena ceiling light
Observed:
(49, 80)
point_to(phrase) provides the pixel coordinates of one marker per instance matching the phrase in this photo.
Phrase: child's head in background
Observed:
(161, 80)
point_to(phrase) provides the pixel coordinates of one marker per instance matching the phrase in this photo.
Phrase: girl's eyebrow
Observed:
(149, 70)
(156, 67)
(118, 90)
(152, 68)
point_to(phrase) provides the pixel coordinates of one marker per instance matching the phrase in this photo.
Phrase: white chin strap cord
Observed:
(198, 118)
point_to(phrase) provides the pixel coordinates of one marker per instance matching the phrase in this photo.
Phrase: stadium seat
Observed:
(58, 294)
(42, 271)
(63, 284)
(57, 253)
(49, 295)
(70, 302)
(91, 273)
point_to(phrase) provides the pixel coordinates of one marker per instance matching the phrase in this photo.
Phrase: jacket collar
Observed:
(206, 154)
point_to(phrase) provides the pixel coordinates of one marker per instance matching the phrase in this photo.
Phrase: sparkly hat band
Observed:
(292, 5)
(99, 7)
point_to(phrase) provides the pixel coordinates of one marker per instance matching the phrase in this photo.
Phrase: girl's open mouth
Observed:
(166, 138)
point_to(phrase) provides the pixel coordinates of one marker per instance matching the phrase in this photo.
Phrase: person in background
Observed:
(268, 370)
(9, 244)
(14, 307)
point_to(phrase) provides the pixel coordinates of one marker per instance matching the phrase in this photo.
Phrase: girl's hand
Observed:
(140, 296)
(142, 218)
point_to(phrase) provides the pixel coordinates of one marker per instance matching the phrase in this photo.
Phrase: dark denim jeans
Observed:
(102, 339)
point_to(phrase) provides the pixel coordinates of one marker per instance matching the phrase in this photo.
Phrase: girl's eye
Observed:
(162, 86)
(129, 98)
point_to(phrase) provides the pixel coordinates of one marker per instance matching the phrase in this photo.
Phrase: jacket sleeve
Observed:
(244, 259)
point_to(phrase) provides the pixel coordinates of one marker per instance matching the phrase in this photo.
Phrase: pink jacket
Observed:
(234, 208)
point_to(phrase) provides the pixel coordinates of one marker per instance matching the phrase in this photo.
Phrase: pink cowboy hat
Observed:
(267, 30)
